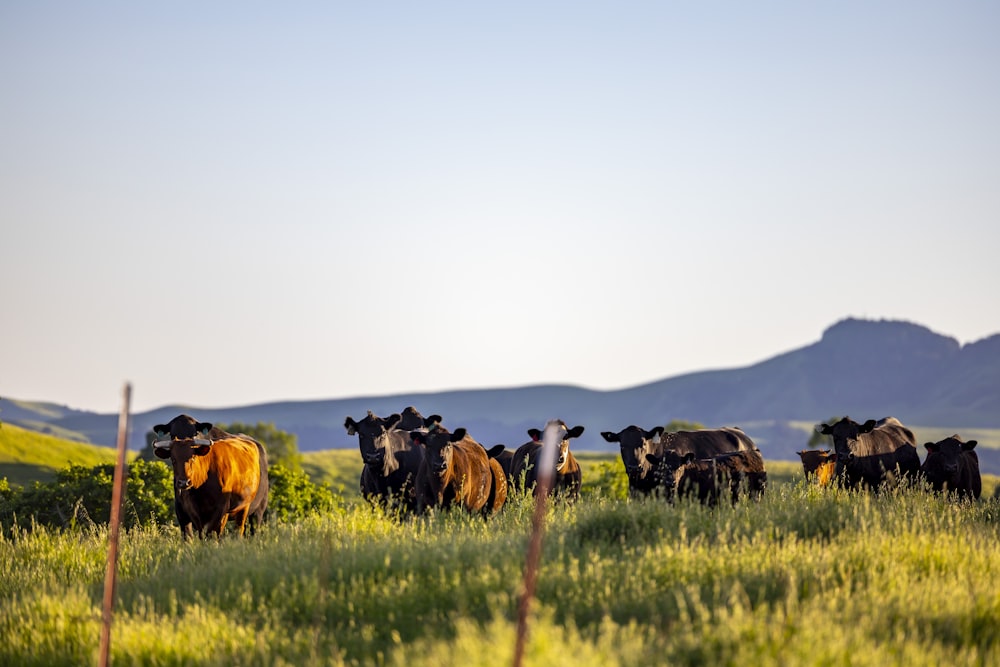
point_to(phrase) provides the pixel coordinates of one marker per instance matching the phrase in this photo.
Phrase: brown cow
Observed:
(953, 466)
(456, 470)
(567, 479)
(217, 475)
(814, 459)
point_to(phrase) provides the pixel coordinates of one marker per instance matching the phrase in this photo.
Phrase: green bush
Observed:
(80, 495)
(607, 480)
(294, 496)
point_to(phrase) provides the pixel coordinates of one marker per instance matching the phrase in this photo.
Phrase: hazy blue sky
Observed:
(239, 202)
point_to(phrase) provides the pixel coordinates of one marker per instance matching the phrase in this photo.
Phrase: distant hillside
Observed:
(863, 368)
(27, 456)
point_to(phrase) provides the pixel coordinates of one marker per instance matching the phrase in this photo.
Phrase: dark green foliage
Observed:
(293, 496)
(680, 425)
(81, 495)
(818, 440)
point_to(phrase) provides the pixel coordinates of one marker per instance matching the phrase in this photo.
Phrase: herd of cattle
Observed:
(413, 463)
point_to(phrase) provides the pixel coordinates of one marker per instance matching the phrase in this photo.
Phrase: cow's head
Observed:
(635, 443)
(180, 440)
(371, 432)
(438, 447)
(563, 436)
(942, 464)
(667, 469)
(411, 419)
(845, 434)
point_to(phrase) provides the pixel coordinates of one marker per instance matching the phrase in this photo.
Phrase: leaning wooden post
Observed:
(117, 495)
(546, 465)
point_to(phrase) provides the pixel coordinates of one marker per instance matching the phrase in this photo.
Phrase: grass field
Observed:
(807, 576)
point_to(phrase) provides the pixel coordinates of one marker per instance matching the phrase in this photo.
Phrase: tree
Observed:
(282, 447)
(681, 425)
(818, 440)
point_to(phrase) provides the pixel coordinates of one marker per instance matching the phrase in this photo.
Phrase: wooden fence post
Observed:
(117, 496)
(545, 466)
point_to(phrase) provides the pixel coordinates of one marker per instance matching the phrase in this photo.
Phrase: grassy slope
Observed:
(27, 456)
(805, 577)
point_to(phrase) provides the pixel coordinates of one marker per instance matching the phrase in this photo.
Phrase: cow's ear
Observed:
(574, 432)
(201, 450)
(867, 427)
(459, 434)
(823, 429)
(160, 430)
(433, 419)
(653, 458)
(418, 436)
(495, 450)
(162, 452)
(970, 445)
(534, 434)
(610, 437)
(932, 446)
(203, 427)
(351, 426)
(656, 432)
(391, 421)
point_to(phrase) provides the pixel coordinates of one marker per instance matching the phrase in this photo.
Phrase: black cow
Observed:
(953, 466)
(391, 459)
(686, 475)
(636, 443)
(217, 476)
(814, 459)
(869, 454)
(567, 477)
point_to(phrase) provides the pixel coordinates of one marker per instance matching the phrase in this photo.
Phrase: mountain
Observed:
(863, 368)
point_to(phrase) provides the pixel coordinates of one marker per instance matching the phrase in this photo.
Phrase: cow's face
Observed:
(845, 434)
(667, 469)
(942, 465)
(564, 435)
(371, 432)
(182, 440)
(635, 443)
(438, 448)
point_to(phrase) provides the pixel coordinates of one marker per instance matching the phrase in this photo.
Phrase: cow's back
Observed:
(888, 436)
(472, 472)
(707, 443)
(235, 461)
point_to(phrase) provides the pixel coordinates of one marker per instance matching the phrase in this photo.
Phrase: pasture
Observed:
(807, 576)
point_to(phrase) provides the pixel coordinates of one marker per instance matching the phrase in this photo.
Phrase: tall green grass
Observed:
(808, 576)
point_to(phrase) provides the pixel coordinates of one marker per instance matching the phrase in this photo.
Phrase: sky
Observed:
(233, 203)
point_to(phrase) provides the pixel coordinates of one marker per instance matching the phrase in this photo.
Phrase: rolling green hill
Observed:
(27, 456)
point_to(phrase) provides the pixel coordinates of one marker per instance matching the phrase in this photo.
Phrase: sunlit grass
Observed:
(807, 576)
